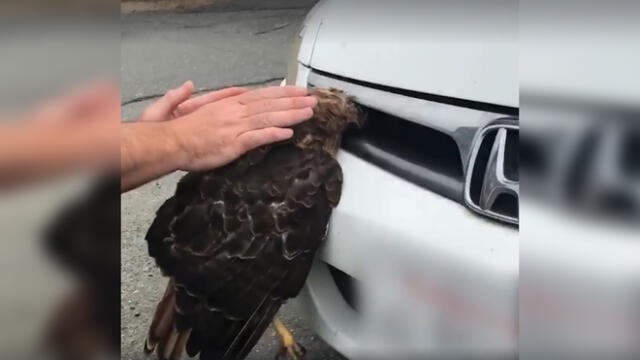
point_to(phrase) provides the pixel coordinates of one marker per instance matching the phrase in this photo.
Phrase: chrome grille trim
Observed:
(494, 181)
(458, 122)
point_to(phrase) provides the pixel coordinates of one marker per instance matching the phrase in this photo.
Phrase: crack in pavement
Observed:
(212, 9)
(272, 29)
(218, 23)
(199, 91)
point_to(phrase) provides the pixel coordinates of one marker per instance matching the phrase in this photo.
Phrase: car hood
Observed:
(443, 48)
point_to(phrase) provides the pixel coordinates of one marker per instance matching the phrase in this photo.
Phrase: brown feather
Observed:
(164, 338)
(240, 240)
(180, 346)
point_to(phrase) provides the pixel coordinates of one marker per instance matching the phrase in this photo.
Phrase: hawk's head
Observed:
(331, 117)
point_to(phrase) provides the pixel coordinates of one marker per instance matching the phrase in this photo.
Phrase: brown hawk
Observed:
(238, 241)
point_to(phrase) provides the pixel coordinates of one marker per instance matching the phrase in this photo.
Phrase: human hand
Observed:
(217, 133)
(177, 102)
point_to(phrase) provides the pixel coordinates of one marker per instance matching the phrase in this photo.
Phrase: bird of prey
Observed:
(238, 241)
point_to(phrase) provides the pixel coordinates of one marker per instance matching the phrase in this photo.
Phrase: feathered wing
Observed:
(237, 242)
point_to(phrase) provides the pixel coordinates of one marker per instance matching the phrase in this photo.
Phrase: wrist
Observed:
(177, 152)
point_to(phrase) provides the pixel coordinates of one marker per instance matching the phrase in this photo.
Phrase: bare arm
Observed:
(212, 135)
(148, 151)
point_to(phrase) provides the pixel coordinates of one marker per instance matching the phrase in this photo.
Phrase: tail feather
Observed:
(254, 327)
(180, 346)
(163, 337)
(258, 329)
(166, 345)
(220, 339)
(232, 340)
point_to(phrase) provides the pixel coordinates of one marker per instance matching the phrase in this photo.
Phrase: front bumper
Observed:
(433, 279)
(449, 277)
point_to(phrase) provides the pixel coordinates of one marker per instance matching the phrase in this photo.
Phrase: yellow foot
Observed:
(289, 347)
(292, 351)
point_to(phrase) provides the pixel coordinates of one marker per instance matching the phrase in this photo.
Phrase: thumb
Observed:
(163, 108)
(175, 97)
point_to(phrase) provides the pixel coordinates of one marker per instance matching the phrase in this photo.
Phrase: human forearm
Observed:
(148, 151)
(215, 129)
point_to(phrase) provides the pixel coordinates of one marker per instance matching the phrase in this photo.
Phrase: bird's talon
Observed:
(291, 351)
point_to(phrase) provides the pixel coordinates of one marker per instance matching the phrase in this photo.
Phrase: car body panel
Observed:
(455, 273)
(447, 277)
(438, 48)
(378, 208)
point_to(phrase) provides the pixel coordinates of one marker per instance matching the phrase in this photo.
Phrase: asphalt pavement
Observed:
(239, 43)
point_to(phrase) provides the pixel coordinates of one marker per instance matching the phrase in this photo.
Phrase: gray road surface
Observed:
(218, 47)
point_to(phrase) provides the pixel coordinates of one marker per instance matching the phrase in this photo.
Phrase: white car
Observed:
(422, 254)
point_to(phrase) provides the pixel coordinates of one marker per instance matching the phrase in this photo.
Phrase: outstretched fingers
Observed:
(281, 104)
(255, 138)
(163, 108)
(192, 105)
(285, 118)
(174, 97)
